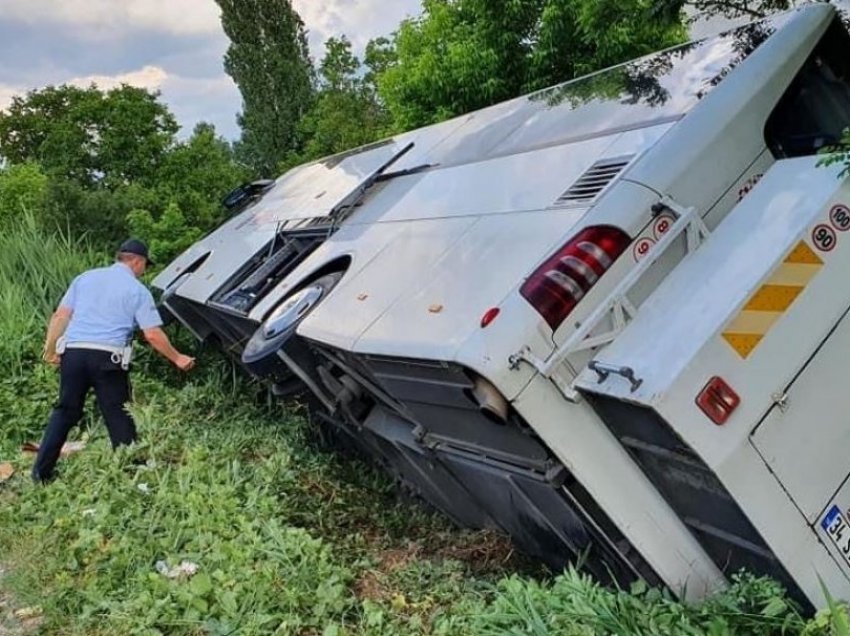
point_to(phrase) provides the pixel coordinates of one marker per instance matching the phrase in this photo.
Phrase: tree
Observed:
(168, 235)
(751, 9)
(23, 188)
(458, 56)
(94, 138)
(577, 37)
(379, 56)
(461, 55)
(346, 113)
(197, 174)
(185, 203)
(269, 61)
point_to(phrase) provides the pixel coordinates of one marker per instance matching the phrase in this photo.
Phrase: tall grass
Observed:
(35, 269)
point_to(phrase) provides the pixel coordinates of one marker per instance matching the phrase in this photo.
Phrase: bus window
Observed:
(815, 110)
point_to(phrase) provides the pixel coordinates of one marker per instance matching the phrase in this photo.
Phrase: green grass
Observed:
(287, 539)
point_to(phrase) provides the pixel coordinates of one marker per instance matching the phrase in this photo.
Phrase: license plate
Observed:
(838, 530)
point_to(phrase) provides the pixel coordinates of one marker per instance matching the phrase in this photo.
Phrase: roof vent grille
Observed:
(594, 181)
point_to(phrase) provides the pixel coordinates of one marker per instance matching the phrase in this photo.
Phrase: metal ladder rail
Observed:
(687, 221)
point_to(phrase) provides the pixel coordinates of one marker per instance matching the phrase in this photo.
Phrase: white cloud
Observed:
(99, 36)
(115, 17)
(149, 77)
(360, 20)
(7, 92)
(213, 100)
(192, 99)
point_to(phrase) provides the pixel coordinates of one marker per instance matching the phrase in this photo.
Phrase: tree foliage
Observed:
(732, 9)
(23, 188)
(839, 154)
(91, 137)
(269, 61)
(83, 159)
(461, 55)
(197, 174)
(166, 236)
(347, 112)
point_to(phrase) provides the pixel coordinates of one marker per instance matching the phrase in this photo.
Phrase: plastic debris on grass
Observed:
(69, 448)
(186, 569)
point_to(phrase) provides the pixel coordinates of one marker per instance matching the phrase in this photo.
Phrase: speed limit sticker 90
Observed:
(839, 216)
(824, 237)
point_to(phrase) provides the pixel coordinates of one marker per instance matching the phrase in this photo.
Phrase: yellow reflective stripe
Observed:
(803, 254)
(773, 298)
(743, 343)
(767, 305)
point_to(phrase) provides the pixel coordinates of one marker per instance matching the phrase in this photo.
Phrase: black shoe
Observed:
(39, 479)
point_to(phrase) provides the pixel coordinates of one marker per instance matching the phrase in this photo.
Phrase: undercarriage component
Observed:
(490, 401)
(694, 492)
(449, 437)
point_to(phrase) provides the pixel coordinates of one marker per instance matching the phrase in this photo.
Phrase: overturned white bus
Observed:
(520, 312)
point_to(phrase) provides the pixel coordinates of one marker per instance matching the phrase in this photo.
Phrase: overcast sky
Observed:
(175, 46)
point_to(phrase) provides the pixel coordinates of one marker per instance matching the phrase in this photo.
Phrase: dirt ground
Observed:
(15, 621)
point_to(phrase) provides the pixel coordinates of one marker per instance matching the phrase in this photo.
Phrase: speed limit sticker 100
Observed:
(839, 217)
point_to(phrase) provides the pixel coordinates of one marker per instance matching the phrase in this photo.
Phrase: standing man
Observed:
(93, 327)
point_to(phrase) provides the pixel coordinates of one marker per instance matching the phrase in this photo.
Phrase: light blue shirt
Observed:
(108, 304)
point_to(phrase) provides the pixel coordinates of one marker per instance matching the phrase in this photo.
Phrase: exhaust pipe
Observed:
(490, 402)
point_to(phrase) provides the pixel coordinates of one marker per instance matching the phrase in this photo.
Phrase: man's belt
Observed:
(120, 355)
(94, 345)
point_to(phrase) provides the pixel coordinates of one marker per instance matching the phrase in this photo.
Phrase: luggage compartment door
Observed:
(805, 437)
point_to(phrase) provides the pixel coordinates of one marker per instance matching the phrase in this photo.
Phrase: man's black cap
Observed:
(135, 246)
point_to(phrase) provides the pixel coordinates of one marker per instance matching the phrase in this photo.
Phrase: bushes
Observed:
(575, 604)
(22, 187)
(167, 236)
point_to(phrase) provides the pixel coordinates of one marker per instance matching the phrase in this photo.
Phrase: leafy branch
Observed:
(838, 154)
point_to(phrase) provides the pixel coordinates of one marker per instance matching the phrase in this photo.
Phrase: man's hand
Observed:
(58, 323)
(159, 341)
(51, 358)
(184, 362)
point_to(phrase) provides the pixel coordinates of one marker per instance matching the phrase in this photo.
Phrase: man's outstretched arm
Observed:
(160, 342)
(55, 328)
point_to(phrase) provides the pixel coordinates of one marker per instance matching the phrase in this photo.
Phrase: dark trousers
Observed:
(81, 370)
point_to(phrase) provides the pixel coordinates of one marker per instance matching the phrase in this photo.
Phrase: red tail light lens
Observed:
(717, 400)
(489, 316)
(557, 286)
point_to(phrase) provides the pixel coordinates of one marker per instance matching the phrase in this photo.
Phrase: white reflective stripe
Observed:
(566, 282)
(95, 346)
(581, 268)
(596, 252)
